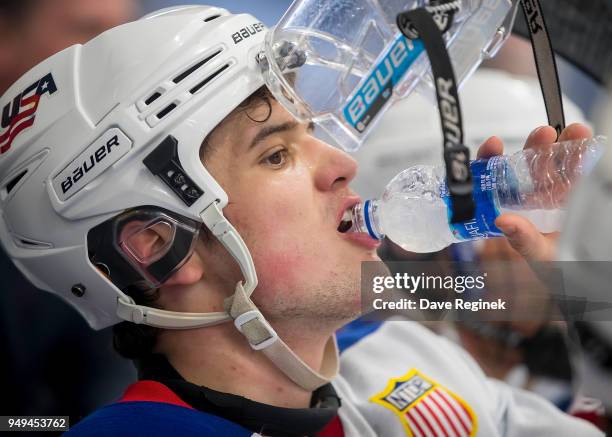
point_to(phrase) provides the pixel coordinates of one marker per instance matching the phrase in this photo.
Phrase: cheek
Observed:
(279, 235)
(276, 214)
(278, 272)
(283, 257)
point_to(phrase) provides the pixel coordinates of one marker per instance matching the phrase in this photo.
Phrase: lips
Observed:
(362, 239)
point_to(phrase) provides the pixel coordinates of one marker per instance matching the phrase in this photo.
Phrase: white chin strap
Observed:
(247, 318)
(261, 336)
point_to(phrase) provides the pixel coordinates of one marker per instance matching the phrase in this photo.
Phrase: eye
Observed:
(276, 159)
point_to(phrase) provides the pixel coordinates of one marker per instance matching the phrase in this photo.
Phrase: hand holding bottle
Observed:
(415, 206)
(522, 235)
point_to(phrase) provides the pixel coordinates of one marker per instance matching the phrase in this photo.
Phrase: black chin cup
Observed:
(143, 246)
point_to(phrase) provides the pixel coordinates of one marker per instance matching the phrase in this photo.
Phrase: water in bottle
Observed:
(414, 209)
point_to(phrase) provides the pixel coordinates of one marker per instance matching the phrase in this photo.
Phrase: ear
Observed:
(145, 243)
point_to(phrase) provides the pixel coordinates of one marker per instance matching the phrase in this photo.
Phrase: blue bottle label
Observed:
(483, 223)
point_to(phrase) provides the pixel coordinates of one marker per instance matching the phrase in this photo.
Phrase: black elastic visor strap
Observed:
(546, 65)
(456, 154)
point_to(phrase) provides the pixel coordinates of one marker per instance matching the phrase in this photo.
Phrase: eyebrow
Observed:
(273, 129)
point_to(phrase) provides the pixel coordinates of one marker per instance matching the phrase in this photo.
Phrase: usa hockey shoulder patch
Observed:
(426, 408)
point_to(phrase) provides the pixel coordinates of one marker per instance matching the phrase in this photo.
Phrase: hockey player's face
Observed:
(287, 193)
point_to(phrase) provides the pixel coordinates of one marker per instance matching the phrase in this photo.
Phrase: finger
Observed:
(525, 238)
(575, 131)
(493, 146)
(540, 136)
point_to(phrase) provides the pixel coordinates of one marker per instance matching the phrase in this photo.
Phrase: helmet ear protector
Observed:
(144, 245)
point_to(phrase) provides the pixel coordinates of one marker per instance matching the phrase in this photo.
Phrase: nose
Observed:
(335, 168)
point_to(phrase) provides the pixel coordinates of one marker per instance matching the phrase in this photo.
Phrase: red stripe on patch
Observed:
(448, 418)
(422, 425)
(435, 416)
(16, 130)
(21, 115)
(452, 407)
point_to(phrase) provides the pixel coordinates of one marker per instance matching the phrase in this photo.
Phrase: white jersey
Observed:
(401, 379)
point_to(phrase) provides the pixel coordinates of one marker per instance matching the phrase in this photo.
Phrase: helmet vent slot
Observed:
(13, 182)
(197, 87)
(161, 114)
(153, 97)
(194, 67)
(28, 243)
(212, 17)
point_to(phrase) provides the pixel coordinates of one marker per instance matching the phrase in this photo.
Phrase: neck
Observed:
(220, 358)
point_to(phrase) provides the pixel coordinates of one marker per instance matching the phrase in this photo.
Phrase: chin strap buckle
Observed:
(256, 329)
(261, 336)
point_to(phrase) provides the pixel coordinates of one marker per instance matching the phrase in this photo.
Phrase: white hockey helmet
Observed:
(110, 131)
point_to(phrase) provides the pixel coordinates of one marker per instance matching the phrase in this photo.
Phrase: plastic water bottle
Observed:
(414, 209)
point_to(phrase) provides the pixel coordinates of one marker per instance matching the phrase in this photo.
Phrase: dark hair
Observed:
(261, 96)
(135, 341)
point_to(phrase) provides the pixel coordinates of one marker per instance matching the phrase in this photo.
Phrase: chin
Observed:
(372, 256)
(368, 255)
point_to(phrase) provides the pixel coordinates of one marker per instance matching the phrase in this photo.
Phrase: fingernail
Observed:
(535, 131)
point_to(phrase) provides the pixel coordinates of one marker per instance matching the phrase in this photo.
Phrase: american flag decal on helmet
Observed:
(425, 408)
(19, 114)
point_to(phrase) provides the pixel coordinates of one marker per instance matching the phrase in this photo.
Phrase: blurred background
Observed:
(53, 364)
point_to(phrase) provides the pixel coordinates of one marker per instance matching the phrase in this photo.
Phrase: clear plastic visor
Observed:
(341, 63)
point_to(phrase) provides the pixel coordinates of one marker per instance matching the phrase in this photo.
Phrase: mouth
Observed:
(345, 215)
(346, 222)
(350, 228)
